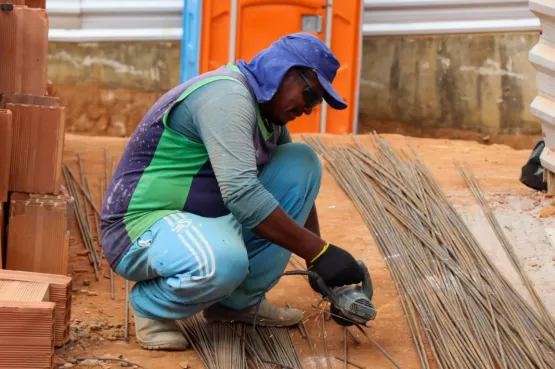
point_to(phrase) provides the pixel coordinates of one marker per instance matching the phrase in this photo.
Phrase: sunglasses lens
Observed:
(311, 98)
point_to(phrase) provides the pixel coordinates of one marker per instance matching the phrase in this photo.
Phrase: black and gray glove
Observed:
(336, 267)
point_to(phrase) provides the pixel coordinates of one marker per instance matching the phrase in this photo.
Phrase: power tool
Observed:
(349, 304)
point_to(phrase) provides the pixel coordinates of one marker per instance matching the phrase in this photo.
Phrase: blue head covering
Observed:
(267, 69)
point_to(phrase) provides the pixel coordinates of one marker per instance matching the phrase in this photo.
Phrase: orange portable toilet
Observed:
(238, 29)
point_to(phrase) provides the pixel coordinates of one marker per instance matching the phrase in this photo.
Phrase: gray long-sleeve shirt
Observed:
(222, 116)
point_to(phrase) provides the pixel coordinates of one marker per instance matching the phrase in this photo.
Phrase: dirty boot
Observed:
(159, 334)
(269, 315)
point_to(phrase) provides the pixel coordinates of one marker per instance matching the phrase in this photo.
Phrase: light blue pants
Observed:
(184, 263)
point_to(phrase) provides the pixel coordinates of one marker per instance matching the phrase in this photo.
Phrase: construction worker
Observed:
(211, 197)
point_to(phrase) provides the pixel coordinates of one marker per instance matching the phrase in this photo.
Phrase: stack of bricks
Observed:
(31, 325)
(31, 329)
(35, 209)
(59, 294)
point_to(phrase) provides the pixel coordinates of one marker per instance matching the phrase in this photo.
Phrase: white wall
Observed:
(114, 20)
(125, 20)
(413, 17)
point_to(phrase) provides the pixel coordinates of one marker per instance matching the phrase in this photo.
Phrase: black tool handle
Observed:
(367, 286)
(323, 287)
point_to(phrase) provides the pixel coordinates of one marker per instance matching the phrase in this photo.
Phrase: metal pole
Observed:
(112, 289)
(359, 71)
(126, 309)
(329, 21)
(232, 30)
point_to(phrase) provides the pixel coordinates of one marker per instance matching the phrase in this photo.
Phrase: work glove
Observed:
(336, 267)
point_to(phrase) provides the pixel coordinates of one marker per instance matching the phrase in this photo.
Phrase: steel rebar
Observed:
(87, 243)
(231, 346)
(450, 290)
(103, 189)
(126, 332)
(350, 362)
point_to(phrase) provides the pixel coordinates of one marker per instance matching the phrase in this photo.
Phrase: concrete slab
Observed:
(532, 237)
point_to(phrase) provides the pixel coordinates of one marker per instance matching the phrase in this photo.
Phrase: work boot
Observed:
(159, 334)
(269, 315)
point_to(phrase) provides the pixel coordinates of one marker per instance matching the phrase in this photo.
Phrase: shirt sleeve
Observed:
(224, 116)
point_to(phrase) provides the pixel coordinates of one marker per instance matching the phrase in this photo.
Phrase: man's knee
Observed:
(220, 271)
(302, 163)
(231, 270)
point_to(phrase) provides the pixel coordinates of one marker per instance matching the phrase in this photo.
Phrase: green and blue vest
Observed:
(162, 172)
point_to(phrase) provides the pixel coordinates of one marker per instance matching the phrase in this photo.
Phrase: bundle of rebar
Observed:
(271, 346)
(85, 207)
(232, 346)
(82, 196)
(455, 300)
(229, 347)
(196, 330)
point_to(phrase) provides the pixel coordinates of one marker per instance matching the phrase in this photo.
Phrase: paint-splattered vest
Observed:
(162, 172)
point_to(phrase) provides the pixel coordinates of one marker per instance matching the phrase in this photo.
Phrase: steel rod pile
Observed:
(232, 346)
(457, 303)
(85, 208)
(478, 194)
(197, 331)
(104, 187)
(272, 345)
(82, 198)
(230, 349)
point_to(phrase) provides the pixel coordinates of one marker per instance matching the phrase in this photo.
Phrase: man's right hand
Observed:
(336, 267)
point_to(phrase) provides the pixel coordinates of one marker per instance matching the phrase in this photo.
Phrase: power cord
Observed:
(306, 273)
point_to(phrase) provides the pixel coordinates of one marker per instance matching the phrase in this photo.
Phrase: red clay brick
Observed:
(37, 145)
(25, 72)
(46, 249)
(35, 57)
(36, 3)
(5, 152)
(11, 44)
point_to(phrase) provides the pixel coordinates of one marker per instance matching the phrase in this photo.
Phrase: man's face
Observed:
(298, 94)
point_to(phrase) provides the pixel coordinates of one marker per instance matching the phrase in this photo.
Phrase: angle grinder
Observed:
(349, 304)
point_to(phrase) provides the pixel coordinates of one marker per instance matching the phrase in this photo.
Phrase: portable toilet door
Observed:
(346, 44)
(239, 29)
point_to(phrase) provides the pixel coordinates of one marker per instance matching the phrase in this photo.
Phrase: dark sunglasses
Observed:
(310, 96)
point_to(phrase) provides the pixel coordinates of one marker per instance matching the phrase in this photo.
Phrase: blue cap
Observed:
(267, 69)
(320, 58)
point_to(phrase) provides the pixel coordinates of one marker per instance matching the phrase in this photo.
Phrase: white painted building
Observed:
(141, 20)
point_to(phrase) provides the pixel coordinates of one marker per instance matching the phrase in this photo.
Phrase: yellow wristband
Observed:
(321, 252)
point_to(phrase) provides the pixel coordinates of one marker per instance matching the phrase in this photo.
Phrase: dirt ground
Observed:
(97, 320)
